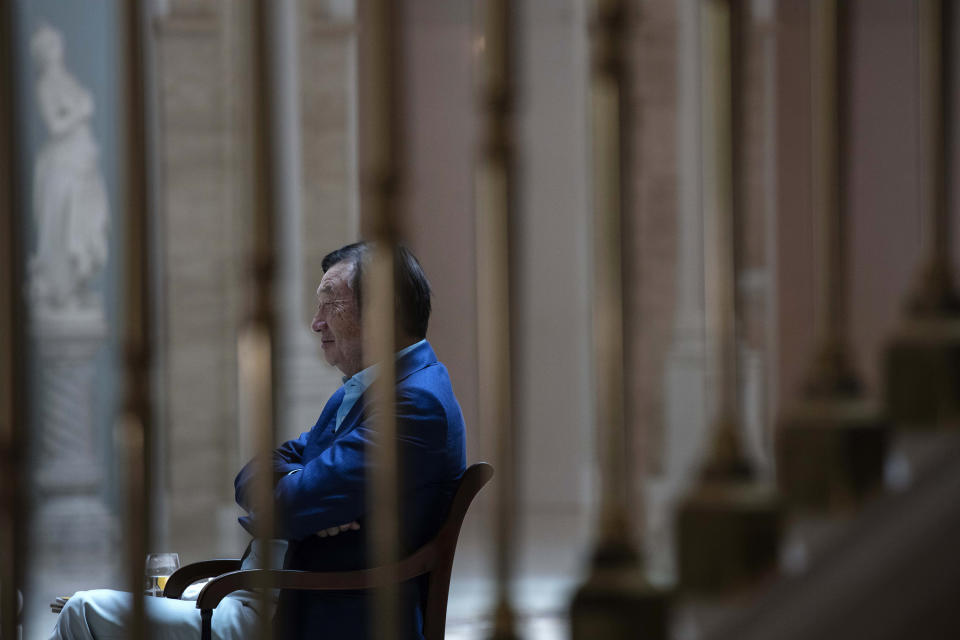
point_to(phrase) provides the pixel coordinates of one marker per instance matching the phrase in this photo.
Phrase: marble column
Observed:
(756, 284)
(689, 382)
(685, 371)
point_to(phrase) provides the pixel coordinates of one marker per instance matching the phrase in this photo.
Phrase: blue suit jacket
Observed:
(331, 488)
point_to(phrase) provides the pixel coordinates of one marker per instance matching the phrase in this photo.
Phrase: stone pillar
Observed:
(319, 192)
(296, 356)
(203, 98)
(204, 215)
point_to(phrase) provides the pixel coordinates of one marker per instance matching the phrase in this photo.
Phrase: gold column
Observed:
(615, 601)
(382, 180)
(496, 288)
(923, 360)
(12, 329)
(729, 525)
(256, 341)
(831, 446)
(133, 434)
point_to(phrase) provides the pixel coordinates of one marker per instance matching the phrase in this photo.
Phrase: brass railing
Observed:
(257, 338)
(134, 431)
(382, 180)
(497, 295)
(12, 364)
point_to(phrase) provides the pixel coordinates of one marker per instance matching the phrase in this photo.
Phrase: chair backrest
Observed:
(435, 611)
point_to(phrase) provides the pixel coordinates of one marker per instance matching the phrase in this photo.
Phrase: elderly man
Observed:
(320, 478)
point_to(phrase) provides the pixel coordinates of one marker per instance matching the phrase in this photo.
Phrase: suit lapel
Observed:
(322, 433)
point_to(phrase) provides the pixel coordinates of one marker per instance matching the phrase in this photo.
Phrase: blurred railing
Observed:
(833, 449)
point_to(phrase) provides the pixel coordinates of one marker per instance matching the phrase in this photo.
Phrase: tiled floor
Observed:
(550, 560)
(530, 627)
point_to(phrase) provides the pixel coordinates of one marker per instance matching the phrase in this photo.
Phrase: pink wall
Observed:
(883, 197)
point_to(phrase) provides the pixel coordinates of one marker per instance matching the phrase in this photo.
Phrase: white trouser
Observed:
(103, 613)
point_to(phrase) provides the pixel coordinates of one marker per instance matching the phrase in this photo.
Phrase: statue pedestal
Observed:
(75, 526)
(71, 518)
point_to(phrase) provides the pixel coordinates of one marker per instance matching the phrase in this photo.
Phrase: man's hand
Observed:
(332, 531)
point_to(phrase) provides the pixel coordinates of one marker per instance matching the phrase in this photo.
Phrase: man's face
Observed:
(338, 319)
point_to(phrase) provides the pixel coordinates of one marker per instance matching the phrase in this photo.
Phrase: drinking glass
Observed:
(159, 567)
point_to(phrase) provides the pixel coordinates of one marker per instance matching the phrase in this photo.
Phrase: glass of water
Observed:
(159, 567)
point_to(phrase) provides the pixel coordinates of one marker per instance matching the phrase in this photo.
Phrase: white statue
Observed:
(69, 197)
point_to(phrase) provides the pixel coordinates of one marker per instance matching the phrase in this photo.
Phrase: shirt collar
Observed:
(363, 379)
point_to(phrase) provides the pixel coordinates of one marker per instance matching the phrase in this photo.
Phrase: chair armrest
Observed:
(187, 575)
(415, 565)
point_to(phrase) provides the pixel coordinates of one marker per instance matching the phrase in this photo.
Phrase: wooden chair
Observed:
(435, 558)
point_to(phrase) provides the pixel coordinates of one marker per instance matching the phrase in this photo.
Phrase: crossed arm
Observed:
(327, 494)
(332, 531)
(287, 460)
